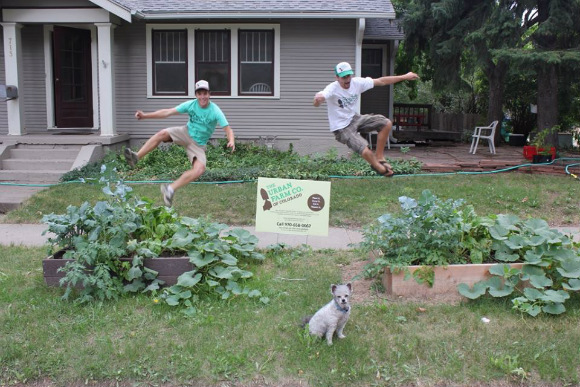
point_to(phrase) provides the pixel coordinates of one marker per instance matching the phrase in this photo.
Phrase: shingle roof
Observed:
(275, 8)
(383, 29)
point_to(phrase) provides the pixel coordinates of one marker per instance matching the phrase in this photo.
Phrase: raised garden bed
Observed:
(169, 268)
(445, 281)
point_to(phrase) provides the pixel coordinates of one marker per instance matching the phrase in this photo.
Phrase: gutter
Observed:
(263, 15)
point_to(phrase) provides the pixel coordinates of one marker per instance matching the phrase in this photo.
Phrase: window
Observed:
(238, 60)
(372, 62)
(256, 67)
(212, 59)
(170, 62)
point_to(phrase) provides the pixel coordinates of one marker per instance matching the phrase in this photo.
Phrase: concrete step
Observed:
(38, 176)
(36, 164)
(39, 153)
(11, 197)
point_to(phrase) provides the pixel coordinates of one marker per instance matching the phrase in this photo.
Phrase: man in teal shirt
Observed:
(203, 118)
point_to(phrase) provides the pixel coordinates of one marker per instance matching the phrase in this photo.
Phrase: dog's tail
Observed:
(305, 320)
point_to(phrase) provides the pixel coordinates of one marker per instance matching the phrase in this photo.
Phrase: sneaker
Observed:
(131, 157)
(167, 197)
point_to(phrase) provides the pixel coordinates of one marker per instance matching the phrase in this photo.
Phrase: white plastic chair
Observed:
(260, 88)
(485, 133)
(370, 138)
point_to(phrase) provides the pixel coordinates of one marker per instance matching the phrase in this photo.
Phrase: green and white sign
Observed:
(288, 206)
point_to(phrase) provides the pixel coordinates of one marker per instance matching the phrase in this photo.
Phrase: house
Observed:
(77, 70)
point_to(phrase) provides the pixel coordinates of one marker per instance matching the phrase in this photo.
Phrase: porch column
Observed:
(106, 77)
(13, 64)
(360, 33)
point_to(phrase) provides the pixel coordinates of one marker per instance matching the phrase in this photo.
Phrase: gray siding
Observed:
(33, 79)
(3, 113)
(309, 51)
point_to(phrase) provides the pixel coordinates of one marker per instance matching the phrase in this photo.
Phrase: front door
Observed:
(375, 100)
(72, 78)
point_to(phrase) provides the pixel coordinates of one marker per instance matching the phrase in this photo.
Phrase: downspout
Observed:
(394, 47)
(360, 33)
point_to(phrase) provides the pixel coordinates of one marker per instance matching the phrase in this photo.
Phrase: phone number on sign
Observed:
(297, 225)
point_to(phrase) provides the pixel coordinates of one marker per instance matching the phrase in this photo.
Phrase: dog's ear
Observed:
(349, 286)
(332, 288)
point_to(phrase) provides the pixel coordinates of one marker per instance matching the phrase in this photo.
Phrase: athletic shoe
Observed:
(167, 197)
(131, 157)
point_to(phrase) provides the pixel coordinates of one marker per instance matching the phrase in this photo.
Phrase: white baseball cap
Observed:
(342, 69)
(199, 85)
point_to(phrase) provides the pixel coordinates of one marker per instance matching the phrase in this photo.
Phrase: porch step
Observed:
(34, 164)
(26, 163)
(36, 152)
(34, 177)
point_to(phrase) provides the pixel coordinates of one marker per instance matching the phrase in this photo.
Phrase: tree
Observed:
(459, 36)
(543, 35)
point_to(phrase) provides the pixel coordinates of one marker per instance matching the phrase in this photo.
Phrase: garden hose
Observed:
(507, 169)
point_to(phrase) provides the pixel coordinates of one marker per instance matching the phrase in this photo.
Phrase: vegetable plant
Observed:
(97, 237)
(428, 231)
(551, 269)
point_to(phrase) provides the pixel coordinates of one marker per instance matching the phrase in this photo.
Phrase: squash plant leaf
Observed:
(540, 281)
(556, 296)
(201, 260)
(572, 285)
(189, 278)
(554, 308)
(570, 268)
(477, 291)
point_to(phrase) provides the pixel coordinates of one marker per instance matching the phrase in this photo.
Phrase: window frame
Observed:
(153, 78)
(234, 30)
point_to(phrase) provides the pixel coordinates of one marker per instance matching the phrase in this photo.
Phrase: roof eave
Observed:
(114, 8)
(262, 15)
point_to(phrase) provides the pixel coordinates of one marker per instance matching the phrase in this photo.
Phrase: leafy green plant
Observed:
(428, 231)
(97, 238)
(247, 163)
(541, 139)
(551, 269)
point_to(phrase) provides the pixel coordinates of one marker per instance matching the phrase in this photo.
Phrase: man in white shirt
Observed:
(342, 98)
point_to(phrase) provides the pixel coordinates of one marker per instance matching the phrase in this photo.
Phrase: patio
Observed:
(443, 156)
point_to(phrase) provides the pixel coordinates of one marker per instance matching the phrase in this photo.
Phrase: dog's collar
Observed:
(340, 308)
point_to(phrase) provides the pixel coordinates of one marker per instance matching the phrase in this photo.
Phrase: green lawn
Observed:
(354, 202)
(244, 343)
(45, 341)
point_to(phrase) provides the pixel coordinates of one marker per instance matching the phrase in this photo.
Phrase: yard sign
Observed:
(288, 206)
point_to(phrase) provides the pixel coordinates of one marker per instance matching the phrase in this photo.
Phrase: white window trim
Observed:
(233, 28)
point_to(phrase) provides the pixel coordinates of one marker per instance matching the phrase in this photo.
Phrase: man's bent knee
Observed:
(164, 135)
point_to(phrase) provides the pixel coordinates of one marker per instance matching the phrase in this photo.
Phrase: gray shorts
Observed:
(180, 136)
(351, 135)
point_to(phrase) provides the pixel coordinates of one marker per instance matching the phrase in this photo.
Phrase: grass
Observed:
(46, 341)
(389, 343)
(354, 202)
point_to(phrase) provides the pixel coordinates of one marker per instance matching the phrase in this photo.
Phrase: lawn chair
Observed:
(485, 133)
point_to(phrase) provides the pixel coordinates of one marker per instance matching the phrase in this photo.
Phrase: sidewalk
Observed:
(337, 239)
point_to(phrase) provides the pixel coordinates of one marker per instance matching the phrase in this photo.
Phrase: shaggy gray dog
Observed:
(333, 316)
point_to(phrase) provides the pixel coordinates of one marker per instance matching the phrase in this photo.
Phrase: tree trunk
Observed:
(496, 77)
(548, 102)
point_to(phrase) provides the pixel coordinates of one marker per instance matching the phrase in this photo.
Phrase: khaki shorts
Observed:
(180, 136)
(351, 135)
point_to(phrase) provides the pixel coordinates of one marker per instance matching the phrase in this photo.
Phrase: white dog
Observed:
(333, 316)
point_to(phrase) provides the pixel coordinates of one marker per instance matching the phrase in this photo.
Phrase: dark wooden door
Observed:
(72, 78)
